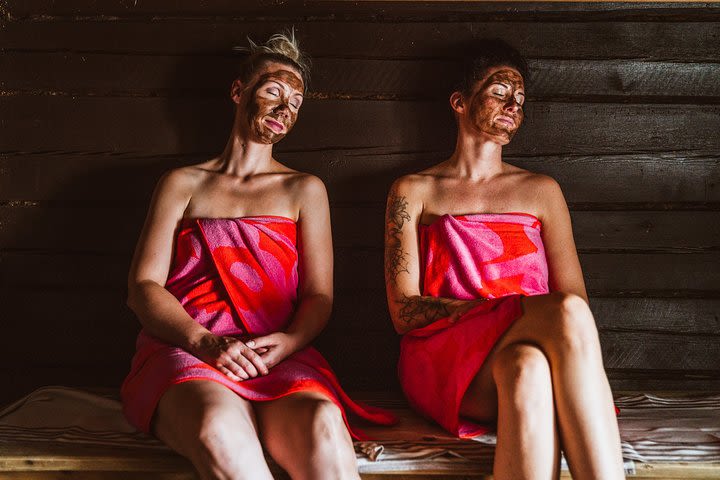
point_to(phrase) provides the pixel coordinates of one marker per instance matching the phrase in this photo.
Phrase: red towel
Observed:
(496, 256)
(237, 277)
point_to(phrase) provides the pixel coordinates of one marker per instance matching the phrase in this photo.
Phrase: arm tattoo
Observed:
(396, 260)
(423, 309)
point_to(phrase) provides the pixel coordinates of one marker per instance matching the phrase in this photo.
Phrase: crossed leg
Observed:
(515, 386)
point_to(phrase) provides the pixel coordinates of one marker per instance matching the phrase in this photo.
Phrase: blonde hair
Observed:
(281, 47)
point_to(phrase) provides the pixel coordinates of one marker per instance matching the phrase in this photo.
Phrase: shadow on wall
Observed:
(69, 244)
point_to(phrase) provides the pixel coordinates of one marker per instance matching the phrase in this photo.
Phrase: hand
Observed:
(274, 348)
(231, 356)
(464, 307)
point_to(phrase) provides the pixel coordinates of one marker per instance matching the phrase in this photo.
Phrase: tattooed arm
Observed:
(410, 310)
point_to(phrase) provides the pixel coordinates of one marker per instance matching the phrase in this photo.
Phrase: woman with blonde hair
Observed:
(231, 280)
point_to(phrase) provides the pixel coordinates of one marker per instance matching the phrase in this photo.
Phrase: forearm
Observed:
(162, 315)
(416, 311)
(311, 316)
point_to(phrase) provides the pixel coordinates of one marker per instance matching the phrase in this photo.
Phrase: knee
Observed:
(522, 372)
(325, 423)
(218, 437)
(571, 325)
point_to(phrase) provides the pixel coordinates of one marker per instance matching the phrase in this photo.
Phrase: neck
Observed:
(476, 157)
(243, 157)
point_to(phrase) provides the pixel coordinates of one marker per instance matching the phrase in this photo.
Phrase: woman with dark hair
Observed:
(231, 280)
(483, 281)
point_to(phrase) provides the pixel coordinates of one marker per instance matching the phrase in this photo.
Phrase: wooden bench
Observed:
(45, 459)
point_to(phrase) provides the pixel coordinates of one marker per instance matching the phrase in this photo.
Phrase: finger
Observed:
(265, 341)
(255, 359)
(229, 374)
(270, 358)
(226, 361)
(261, 350)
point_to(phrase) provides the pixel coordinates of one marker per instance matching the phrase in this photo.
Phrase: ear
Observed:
(457, 103)
(236, 90)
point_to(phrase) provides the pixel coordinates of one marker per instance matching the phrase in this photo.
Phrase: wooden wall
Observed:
(98, 98)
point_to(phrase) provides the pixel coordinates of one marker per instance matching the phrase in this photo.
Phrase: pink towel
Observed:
(495, 256)
(237, 277)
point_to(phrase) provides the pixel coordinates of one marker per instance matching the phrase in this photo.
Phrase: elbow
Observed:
(131, 300)
(136, 294)
(400, 330)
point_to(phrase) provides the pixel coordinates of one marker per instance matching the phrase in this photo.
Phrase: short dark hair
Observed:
(281, 48)
(486, 53)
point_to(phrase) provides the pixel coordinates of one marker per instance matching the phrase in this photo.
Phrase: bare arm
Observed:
(408, 309)
(315, 265)
(159, 312)
(565, 273)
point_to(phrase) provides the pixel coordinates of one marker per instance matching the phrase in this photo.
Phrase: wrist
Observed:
(295, 341)
(200, 341)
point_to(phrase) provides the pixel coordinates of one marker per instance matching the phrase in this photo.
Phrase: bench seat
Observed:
(414, 448)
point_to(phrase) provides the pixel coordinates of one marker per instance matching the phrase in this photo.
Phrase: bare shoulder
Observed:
(176, 186)
(182, 179)
(413, 185)
(545, 193)
(307, 190)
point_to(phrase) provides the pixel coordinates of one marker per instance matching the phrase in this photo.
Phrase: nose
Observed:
(282, 109)
(512, 105)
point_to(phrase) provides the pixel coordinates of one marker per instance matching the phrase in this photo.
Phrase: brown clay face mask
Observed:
(272, 110)
(491, 105)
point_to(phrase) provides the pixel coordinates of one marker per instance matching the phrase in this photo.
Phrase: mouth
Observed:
(506, 120)
(275, 126)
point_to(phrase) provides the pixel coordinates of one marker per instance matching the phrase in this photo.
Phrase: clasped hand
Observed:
(244, 360)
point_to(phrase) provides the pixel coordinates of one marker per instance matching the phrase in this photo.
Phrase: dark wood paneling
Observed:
(605, 273)
(96, 101)
(675, 231)
(616, 274)
(589, 40)
(148, 125)
(359, 177)
(110, 229)
(373, 9)
(366, 311)
(89, 74)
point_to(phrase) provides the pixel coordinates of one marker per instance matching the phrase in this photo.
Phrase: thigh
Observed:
(480, 399)
(186, 410)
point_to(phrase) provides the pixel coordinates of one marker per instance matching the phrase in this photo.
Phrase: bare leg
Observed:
(562, 326)
(306, 435)
(527, 437)
(214, 428)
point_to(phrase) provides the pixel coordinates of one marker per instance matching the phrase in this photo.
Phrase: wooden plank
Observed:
(37, 124)
(365, 176)
(366, 311)
(97, 331)
(358, 177)
(655, 380)
(652, 41)
(380, 10)
(97, 74)
(605, 274)
(638, 350)
(674, 231)
(101, 230)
